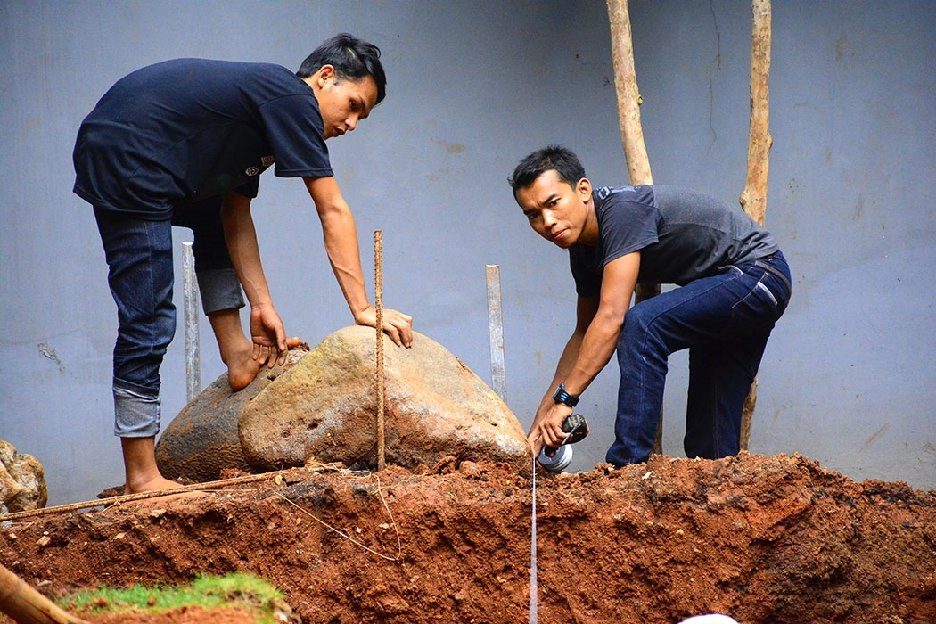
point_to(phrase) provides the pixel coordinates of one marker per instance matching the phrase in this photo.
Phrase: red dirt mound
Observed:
(763, 539)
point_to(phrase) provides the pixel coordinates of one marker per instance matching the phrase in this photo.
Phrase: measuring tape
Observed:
(534, 580)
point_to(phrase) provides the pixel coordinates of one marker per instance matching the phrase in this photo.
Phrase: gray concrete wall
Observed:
(473, 87)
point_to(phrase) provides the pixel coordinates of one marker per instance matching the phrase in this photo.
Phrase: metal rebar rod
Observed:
(192, 341)
(496, 331)
(378, 306)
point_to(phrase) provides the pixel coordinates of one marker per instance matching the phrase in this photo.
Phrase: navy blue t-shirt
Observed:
(681, 235)
(190, 129)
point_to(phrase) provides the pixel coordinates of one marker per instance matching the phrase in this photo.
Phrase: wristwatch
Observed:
(561, 396)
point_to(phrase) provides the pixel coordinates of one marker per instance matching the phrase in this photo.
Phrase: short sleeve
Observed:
(628, 222)
(295, 130)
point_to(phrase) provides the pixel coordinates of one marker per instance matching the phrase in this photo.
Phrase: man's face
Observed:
(342, 102)
(557, 211)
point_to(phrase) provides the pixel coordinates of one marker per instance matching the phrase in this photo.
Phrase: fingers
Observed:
(551, 438)
(547, 430)
(281, 348)
(399, 327)
(270, 356)
(267, 355)
(406, 331)
(290, 343)
(393, 332)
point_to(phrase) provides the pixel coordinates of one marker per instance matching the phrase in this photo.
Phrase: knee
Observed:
(638, 328)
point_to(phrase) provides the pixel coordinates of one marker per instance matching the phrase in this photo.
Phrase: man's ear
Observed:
(324, 73)
(584, 189)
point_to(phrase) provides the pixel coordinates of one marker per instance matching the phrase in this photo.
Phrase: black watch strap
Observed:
(561, 396)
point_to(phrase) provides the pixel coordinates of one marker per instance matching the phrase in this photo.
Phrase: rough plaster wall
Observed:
(474, 86)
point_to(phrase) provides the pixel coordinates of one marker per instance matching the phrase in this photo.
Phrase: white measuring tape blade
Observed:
(534, 582)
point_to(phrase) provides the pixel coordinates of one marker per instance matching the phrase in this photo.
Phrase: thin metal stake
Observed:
(496, 331)
(378, 305)
(192, 341)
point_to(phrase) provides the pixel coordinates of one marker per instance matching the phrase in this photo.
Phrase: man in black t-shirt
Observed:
(183, 143)
(734, 286)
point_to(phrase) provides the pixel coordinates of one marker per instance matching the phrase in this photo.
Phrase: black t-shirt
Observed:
(682, 236)
(190, 129)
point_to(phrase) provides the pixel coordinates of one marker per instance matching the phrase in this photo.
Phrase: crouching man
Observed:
(734, 286)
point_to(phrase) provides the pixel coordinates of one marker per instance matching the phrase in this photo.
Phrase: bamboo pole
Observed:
(754, 197)
(26, 605)
(635, 148)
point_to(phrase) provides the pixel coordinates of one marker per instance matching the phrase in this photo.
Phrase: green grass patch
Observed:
(235, 590)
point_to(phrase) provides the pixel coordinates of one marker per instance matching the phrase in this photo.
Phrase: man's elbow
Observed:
(333, 210)
(610, 320)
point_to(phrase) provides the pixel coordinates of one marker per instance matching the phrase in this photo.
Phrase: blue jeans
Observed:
(724, 320)
(139, 257)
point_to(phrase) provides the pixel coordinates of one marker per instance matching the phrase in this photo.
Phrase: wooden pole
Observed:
(628, 96)
(635, 148)
(27, 606)
(754, 197)
(378, 305)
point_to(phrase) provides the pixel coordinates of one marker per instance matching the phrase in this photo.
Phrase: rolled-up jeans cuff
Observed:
(220, 290)
(136, 413)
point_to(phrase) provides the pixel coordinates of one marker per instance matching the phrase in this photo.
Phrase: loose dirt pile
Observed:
(763, 539)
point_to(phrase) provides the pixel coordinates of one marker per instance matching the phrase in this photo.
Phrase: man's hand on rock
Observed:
(397, 325)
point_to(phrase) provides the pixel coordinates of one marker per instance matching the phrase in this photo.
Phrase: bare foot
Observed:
(156, 483)
(242, 368)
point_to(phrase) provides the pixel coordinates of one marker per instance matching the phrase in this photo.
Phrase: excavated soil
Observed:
(760, 538)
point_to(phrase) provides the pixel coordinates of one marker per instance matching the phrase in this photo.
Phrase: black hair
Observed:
(352, 59)
(565, 163)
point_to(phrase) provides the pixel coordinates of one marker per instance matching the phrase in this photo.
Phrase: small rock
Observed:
(22, 481)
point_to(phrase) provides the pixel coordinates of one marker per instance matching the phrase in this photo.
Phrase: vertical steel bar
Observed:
(192, 342)
(496, 331)
(378, 305)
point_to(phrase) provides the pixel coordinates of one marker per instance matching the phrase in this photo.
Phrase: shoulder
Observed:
(247, 73)
(672, 196)
(642, 194)
(197, 74)
(612, 204)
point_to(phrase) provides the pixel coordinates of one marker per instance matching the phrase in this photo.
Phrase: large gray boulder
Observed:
(322, 405)
(324, 408)
(202, 440)
(22, 481)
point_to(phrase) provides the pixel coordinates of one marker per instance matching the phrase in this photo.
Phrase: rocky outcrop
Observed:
(322, 405)
(22, 481)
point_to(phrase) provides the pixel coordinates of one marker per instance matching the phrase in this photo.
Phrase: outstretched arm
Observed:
(341, 245)
(266, 327)
(590, 347)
